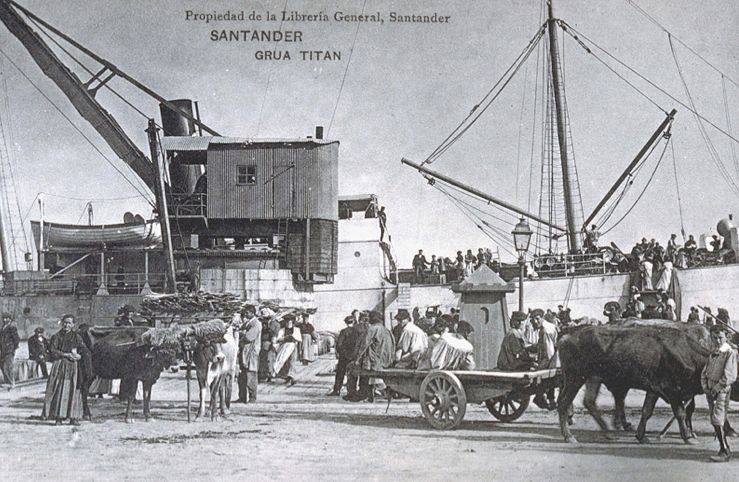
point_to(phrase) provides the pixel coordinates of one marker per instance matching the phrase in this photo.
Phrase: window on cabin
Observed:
(246, 175)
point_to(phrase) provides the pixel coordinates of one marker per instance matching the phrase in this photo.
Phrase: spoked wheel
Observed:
(443, 401)
(509, 407)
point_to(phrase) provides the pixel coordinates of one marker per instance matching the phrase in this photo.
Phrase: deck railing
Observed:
(115, 283)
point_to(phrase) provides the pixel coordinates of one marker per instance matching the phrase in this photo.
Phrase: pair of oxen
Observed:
(140, 354)
(661, 357)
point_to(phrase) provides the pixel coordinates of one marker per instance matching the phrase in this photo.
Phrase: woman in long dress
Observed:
(63, 399)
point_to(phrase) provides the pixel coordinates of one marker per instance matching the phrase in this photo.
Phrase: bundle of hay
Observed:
(211, 331)
(162, 337)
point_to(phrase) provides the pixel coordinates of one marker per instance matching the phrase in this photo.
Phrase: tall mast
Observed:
(573, 234)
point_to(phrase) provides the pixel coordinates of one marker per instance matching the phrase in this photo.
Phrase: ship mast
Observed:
(568, 167)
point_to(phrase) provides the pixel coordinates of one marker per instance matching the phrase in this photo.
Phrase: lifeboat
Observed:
(144, 234)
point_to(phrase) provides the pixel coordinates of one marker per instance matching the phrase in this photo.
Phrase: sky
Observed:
(406, 87)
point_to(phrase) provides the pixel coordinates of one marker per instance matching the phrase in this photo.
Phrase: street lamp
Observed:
(521, 239)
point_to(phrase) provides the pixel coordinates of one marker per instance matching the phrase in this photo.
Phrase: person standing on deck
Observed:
(63, 397)
(382, 218)
(419, 266)
(716, 380)
(9, 342)
(250, 339)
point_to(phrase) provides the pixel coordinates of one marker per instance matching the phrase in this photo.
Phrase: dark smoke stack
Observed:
(183, 177)
(319, 132)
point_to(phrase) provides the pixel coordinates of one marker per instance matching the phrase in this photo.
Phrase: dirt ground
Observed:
(298, 433)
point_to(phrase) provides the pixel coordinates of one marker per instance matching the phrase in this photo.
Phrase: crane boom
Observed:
(78, 94)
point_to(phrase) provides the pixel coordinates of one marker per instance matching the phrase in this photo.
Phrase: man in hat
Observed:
(9, 341)
(547, 354)
(723, 317)
(716, 379)
(378, 353)
(250, 339)
(419, 265)
(514, 355)
(354, 346)
(38, 349)
(270, 331)
(694, 317)
(412, 344)
(342, 351)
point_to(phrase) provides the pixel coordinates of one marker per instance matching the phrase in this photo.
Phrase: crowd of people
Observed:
(434, 340)
(270, 347)
(448, 269)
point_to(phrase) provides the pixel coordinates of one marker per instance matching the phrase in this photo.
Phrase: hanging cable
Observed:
(640, 194)
(269, 79)
(664, 29)
(715, 157)
(476, 111)
(346, 69)
(728, 123)
(84, 67)
(25, 217)
(569, 30)
(11, 162)
(520, 129)
(79, 131)
(677, 188)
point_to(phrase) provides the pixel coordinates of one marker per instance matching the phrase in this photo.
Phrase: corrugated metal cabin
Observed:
(281, 192)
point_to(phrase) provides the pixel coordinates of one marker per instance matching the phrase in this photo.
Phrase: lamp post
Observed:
(521, 239)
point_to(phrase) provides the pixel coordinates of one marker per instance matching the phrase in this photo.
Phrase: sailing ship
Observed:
(327, 252)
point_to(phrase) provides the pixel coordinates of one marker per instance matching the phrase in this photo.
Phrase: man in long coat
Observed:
(9, 342)
(250, 340)
(378, 353)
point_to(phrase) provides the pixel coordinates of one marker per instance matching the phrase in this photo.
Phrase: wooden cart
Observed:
(444, 395)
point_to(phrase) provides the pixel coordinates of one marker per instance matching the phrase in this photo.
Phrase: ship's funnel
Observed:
(182, 177)
(724, 227)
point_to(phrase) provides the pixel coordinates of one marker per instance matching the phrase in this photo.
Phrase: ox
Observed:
(215, 367)
(140, 354)
(698, 332)
(121, 353)
(666, 363)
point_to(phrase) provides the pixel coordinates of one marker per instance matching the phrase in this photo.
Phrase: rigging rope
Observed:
(11, 161)
(83, 66)
(79, 131)
(520, 128)
(88, 199)
(497, 231)
(664, 29)
(346, 69)
(269, 79)
(569, 30)
(715, 157)
(465, 125)
(728, 123)
(467, 215)
(649, 181)
(677, 188)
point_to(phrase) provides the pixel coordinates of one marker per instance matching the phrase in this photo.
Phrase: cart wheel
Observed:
(443, 401)
(509, 407)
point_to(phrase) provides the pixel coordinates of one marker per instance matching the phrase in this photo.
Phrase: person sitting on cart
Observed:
(412, 344)
(514, 353)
